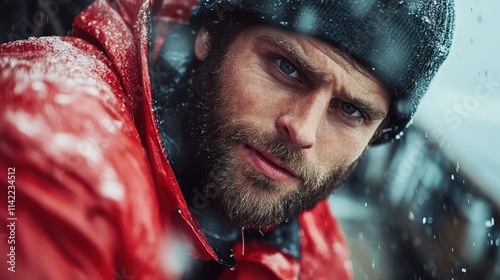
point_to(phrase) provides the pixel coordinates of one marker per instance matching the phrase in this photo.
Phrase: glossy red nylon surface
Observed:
(96, 197)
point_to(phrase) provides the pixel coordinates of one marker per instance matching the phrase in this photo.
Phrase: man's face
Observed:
(284, 120)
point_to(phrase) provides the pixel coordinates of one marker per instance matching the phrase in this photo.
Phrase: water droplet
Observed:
(411, 216)
(490, 223)
(231, 268)
(242, 241)
(464, 269)
(427, 195)
(452, 177)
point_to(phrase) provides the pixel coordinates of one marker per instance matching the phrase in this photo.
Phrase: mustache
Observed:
(287, 153)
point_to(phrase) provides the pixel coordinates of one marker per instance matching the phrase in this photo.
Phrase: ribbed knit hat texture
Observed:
(402, 42)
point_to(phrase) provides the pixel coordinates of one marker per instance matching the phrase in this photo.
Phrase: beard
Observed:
(247, 197)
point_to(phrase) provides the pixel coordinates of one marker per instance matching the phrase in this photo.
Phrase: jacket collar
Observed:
(128, 47)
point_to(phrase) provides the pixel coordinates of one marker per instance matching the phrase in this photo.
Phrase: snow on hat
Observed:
(402, 42)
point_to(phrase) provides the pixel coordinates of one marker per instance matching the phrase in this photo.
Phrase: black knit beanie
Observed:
(403, 42)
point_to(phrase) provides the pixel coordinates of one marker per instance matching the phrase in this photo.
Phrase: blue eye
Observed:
(350, 109)
(287, 67)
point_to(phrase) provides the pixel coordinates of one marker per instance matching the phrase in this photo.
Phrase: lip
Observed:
(268, 165)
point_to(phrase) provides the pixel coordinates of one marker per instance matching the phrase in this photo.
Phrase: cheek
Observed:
(235, 89)
(242, 97)
(250, 94)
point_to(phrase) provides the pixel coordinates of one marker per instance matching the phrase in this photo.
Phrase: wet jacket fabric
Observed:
(94, 195)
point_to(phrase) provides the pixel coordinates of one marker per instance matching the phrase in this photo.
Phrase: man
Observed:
(142, 136)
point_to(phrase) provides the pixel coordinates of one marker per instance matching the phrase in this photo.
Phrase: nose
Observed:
(300, 122)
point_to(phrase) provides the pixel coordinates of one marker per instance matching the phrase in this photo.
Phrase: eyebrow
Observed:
(290, 49)
(373, 111)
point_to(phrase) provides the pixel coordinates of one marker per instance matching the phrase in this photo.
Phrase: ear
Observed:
(202, 44)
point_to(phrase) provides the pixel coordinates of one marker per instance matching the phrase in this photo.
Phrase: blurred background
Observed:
(426, 206)
(21, 19)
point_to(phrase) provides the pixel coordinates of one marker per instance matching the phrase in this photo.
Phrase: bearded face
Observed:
(280, 121)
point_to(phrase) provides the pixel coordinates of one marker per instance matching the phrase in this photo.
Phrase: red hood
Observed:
(127, 48)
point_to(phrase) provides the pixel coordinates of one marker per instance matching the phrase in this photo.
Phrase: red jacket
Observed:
(93, 194)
